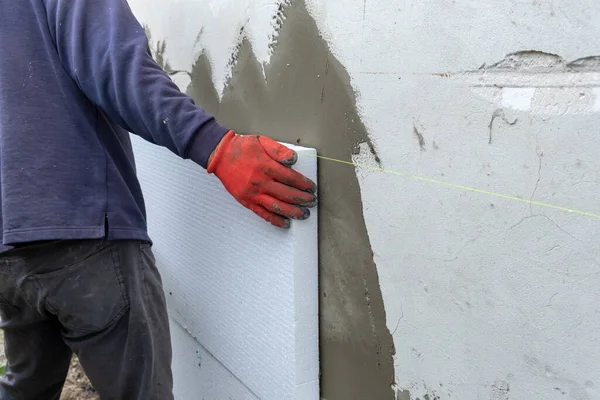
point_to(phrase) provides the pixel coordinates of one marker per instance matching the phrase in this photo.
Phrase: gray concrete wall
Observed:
(450, 264)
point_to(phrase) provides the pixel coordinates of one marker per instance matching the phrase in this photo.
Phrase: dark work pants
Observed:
(101, 300)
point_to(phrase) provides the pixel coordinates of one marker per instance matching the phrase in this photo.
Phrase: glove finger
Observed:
(282, 208)
(291, 178)
(289, 194)
(270, 217)
(278, 152)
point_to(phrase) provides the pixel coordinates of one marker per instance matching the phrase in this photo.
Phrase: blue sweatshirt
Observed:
(75, 77)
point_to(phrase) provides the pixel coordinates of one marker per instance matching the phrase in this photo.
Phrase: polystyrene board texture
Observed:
(247, 291)
(197, 375)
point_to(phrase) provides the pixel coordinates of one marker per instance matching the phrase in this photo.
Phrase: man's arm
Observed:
(105, 50)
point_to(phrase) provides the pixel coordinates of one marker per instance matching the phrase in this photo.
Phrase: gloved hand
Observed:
(255, 171)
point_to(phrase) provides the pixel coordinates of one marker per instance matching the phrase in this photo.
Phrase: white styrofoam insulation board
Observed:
(198, 375)
(245, 290)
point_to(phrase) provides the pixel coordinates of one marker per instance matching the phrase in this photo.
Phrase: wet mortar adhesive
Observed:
(307, 99)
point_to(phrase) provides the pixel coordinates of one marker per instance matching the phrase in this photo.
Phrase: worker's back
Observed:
(74, 77)
(64, 164)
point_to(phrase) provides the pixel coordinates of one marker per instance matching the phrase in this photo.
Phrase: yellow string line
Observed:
(462, 187)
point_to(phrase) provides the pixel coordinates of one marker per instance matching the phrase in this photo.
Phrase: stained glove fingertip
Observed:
(291, 161)
(311, 204)
(305, 213)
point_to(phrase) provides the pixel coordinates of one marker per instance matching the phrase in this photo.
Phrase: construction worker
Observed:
(77, 274)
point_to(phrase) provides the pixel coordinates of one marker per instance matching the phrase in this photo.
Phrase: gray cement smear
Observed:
(307, 99)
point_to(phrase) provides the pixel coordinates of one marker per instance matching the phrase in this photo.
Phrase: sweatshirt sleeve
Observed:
(104, 49)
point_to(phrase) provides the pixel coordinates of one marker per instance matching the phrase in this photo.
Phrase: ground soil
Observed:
(77, 387)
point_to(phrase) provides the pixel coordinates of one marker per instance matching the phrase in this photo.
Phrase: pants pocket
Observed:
(88, 296)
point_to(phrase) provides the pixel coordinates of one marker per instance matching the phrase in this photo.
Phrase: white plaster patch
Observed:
(517, 98)
(543, 101)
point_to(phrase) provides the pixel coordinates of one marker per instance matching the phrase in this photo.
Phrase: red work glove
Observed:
(255, 171)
